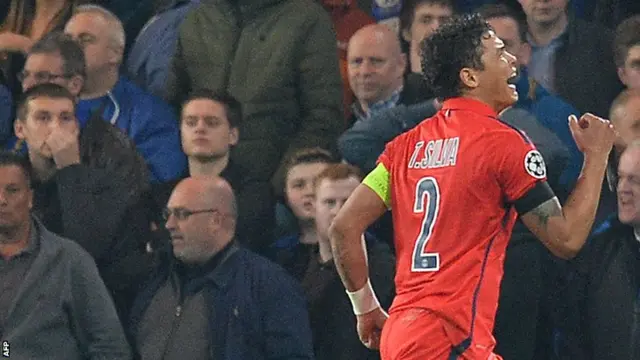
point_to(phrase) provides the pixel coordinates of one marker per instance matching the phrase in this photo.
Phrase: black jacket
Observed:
(101, 205)
(602, 312)
(585, 74)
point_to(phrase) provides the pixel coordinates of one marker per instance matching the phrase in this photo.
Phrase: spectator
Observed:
(53, 304)
(88, 187)
(376, 72)
(603, 320)
(626, 47)
(209, 126)
(28, 21)
(332, 321)
(347, 18)
(418, 19)
(56, 59)
(150, 123)
(624, 115)
(295, 217)
(149, 60)
(277, 57)
(216, 300)
(570, 57)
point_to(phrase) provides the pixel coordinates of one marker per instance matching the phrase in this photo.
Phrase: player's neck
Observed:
(497, 108)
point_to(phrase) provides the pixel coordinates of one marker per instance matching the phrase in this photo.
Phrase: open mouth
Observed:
(513, 79)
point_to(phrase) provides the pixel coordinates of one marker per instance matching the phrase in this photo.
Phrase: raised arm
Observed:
(565, 230)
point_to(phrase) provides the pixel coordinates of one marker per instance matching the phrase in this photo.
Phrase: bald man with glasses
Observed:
(213, 298)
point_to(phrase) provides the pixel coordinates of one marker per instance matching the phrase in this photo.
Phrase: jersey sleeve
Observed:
(379, 180)
(520, 167)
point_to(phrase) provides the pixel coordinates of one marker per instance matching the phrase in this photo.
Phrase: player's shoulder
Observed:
(500, 130)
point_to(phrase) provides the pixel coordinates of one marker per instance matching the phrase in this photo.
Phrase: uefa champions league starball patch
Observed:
(534, 164)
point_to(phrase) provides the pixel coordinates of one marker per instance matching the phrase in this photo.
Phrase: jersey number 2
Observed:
(427, 202)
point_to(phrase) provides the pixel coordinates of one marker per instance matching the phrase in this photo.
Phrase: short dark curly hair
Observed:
(455, 45)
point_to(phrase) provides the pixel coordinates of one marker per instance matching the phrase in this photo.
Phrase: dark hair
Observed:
(10, 158)
(627, 36)
(306, 156)
(455, 45)
(408, 11)
(73, 61)
(54, 91)
(232, 107)
(340, 171)
(493, 11)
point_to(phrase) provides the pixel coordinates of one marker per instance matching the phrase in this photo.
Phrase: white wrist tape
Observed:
(364, 300)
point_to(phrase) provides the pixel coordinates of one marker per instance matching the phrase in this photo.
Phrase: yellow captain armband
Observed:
(379, 180)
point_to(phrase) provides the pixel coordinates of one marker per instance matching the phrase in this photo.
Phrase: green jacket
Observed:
(278, 58)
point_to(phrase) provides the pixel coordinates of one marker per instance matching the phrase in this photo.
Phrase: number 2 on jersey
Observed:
(427, 202)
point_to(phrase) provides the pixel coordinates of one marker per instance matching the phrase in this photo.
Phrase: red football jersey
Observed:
(453, 181)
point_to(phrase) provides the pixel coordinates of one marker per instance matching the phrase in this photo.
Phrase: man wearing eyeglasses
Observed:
(214, 299)
(60, 59)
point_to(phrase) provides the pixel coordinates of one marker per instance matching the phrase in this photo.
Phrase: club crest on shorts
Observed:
(534, 164)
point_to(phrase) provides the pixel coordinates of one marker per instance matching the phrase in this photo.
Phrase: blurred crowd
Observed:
(171, 169)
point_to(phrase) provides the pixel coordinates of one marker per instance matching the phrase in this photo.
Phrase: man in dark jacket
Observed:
(88, 187)
(571, 58)
(213, 299)
(376, 67)
(603, 303)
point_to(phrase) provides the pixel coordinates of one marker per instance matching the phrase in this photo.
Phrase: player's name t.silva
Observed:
(436, 154)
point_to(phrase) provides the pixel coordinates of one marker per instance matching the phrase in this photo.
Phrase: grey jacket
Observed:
(62, 309)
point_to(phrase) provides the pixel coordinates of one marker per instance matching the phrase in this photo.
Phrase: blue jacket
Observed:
(256, 310)
(148, 121)
(552, 112)
(150, 57)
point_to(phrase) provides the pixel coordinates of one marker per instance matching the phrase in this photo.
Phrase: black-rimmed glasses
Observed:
(182, 213)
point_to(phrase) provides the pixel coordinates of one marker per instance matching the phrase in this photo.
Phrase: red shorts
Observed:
(417, 334)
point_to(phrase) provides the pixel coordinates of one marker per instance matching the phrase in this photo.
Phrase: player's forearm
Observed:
(349, 255)
(580, 209)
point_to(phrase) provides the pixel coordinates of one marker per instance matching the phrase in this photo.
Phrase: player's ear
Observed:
(469, 78)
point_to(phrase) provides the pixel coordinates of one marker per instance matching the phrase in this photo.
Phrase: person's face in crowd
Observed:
(507, 30)
(427, 17)
(205, 129)
(15, 199)
(192, 237)
(96, 36)
(299, 189)
(45, 116)
(629, 73)
(626, 119)
(40, 68)
(629, 187)
(544, 12)
(374, 65)
(330, 196)
(492, 83)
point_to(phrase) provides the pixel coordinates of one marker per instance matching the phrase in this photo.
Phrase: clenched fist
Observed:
(593, 135)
